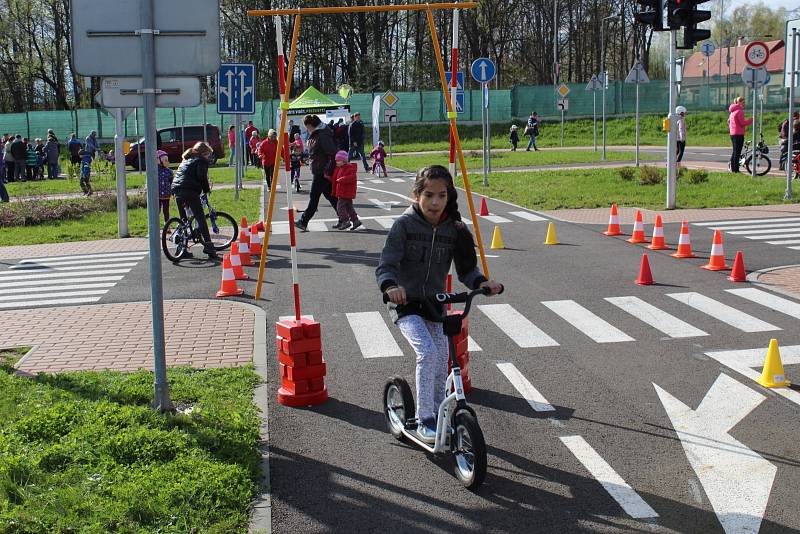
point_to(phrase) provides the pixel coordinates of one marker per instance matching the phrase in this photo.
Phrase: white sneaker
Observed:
(426, 434)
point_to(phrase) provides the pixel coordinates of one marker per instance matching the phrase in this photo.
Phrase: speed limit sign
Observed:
(756, 54)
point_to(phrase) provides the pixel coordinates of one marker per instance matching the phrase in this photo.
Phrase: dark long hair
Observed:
(437, 172)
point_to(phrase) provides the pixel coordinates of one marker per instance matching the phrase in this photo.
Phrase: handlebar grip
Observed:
(385, 298)
(502, 288)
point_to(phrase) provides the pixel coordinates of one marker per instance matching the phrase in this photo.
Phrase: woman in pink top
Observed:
(231, 143)
(737, 123)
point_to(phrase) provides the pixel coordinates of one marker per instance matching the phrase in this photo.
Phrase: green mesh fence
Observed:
(412, 107)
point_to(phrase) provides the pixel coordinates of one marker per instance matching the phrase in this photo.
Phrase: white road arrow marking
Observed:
(736, 479)
(482, 65)
(384, 205)
(243, 89)
(228, 90)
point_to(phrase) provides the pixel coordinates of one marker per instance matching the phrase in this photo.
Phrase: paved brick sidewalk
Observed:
(131, 244)
(627, 214)
(119, 336)
(782, 279)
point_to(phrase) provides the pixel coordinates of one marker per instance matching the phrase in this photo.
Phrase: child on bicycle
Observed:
(415, 260)
(164, 183)
(191, 181)
(378, 155)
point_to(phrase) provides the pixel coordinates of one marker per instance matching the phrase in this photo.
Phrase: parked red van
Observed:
(169, 140)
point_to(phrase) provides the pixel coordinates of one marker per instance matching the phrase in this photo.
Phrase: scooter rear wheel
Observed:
(469, 450)
(398, 405)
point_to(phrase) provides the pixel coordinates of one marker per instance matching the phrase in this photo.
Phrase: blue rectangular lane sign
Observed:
(236, 88)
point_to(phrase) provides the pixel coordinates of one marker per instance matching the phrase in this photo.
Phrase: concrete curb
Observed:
(755, 275)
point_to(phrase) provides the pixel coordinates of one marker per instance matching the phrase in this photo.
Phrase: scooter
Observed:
(457, 429)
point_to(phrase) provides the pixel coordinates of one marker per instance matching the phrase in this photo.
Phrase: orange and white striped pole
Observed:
(453, 89)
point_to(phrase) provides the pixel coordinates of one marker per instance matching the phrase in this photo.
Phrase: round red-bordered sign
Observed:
(756, 54)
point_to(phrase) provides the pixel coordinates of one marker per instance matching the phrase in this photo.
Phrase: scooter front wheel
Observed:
(469, 450)
(398, 405)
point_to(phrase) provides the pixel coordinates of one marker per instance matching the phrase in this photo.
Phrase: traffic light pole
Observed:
(672, 145)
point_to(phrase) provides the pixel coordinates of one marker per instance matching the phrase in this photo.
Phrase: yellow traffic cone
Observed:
(497, 238)
(551, 238)
(772, 376)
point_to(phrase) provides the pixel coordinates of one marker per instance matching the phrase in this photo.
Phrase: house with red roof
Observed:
(730, 61)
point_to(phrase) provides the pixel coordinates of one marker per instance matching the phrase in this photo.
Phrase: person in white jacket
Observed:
(681, 123)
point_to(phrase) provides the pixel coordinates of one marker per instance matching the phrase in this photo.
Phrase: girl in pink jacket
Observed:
(737, 123)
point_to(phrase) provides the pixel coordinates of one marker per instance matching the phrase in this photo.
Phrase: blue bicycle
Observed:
(179, 235)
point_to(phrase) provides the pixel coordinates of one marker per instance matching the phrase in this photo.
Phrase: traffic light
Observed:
(691, 34)
(652, 14)
(676, 13)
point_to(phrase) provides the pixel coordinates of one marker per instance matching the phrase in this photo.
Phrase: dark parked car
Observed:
(169, 140)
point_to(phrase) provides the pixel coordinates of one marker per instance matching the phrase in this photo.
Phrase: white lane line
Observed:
(787, 242)
(372, 335)
(53, 302)
(316, 226)
(85, 256)
(516, 326)
(590, 324)
(755, 226)
(773, 236)
(280, 228)
(535, 399)
(68, 287)
(620, 491)
(528, 216)
(745, 361)
(472, 345)
(33, 268)
(376, 181)
(747, 221)
(27, 264)
(398, 180)
(21, 299)
(42, 276)
(658, 319)
(779, 304)
(59, 281)
(793, 228)
(723, 312)
(497, 219)
(794, 248)
(385, 222)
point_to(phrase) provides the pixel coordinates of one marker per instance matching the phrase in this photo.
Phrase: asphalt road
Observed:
(646, 431)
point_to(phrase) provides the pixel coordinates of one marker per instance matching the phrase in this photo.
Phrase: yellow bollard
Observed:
(551, 238)
(772, 376)
(497, 239)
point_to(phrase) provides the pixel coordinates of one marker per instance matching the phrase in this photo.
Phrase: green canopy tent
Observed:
(312, 102)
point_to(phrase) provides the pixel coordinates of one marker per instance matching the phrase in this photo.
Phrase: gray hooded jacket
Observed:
(417, 256)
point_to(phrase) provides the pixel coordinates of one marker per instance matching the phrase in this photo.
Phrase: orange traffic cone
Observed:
(613, 222)
(658, 236)
(244, 248)
(255, 241)
(637, 236)
(684, 243)
(236, 263)
(244, 224)
(645, 276)
(261, 227)
(484, 208)
(717, 260)
(228, 288)
(738, 274)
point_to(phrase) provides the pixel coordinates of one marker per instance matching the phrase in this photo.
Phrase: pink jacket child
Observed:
(378, 154)
(343, 182)
(737, 123)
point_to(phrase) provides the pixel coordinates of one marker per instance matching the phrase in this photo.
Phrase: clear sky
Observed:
(788, 4)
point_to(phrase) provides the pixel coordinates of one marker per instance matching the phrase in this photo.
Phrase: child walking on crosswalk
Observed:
(415, 260)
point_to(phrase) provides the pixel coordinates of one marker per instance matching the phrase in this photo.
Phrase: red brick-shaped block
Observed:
(314, 357)
(289, 329)
(316, 384)
(295, 388)
(293, 360)
(305, 373)
(311, 329)
(301, 345)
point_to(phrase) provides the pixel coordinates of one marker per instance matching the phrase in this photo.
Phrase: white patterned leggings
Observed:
(430, 344)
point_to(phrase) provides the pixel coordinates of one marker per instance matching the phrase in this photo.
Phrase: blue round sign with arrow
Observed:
(482, 70)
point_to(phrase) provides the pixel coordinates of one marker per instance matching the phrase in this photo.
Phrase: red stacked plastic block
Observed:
(462, 352)
(300, 363)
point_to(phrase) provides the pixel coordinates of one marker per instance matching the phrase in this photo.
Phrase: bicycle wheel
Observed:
(398, 405)
(174, 240)
(764, 164)
(469, 449)
(223, 231)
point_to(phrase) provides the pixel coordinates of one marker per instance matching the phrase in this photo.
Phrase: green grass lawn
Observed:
(703, 129)
(104, 225)
(521, 158)
(83, 452)
(599, 188)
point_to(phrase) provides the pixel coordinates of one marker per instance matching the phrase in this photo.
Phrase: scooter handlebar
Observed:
(451, 298)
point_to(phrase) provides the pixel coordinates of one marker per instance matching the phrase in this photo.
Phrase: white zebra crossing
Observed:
(373, 330)
(63, 280)
(780, 231)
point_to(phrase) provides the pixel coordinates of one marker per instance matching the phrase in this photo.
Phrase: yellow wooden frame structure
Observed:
(451, 114)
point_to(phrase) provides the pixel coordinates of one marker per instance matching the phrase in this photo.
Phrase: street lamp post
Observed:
(604, 74)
